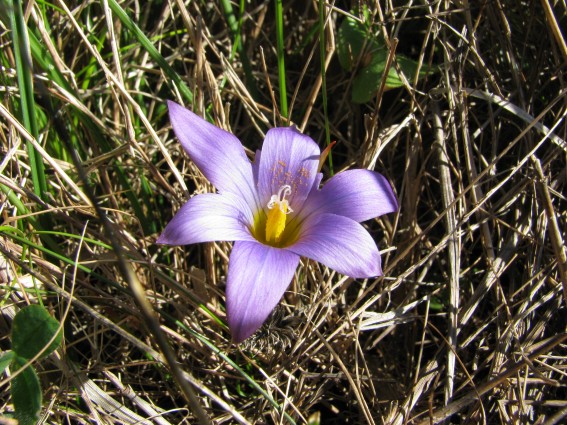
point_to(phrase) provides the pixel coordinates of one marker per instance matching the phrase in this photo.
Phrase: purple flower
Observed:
(275, 212)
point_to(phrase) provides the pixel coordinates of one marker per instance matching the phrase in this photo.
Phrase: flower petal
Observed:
(218, 154)
(209, 217)
(288, 157)
(258, 276)
(356, 194)
(339, 243)
(256, 164)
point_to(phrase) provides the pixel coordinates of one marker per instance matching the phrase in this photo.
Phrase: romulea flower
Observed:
(275, 212)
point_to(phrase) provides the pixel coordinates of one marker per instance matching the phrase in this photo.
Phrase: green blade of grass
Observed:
(323, 51)
(25, 84)
(18, 204)
(10, 232)
(29, 219)
(44, 60)
(281, 58)
(151, 49)
(236, 29)
(241, 371)
(73, 236)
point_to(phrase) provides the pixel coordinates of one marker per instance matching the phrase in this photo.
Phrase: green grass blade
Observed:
(323, 50)
(236, 30)
(281, 58)
(10, 232)
(73, 236)
(151, 49)
(43, 59)
(30, 219)
(18, 204)
(25, 83)
(236, 367)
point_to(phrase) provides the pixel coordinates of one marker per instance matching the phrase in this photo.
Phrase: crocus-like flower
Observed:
(275, 212)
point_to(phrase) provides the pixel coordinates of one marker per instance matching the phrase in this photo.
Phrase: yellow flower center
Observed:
(278, 210)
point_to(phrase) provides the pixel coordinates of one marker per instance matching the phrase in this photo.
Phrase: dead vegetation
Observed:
(468, 323)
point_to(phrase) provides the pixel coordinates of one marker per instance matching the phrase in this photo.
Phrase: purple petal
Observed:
(256, 164)
(209, 217)
(339, 243)
(288, 157)
(258, 276)
(356, 194)
(217, 153)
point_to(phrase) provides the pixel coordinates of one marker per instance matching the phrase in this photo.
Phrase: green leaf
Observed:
(32, 329)
(26, 394)
(353, 37)
(6, 359)
(408, 68)
(366, 83)
(436, 304)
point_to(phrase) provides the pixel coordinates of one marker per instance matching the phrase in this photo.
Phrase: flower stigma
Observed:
(278, 210)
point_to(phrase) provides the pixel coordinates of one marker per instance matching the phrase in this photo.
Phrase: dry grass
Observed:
(468, 323)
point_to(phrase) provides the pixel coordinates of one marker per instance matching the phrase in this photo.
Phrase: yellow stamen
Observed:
(278, 210)
(275, 224)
